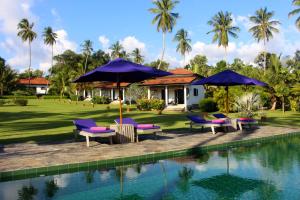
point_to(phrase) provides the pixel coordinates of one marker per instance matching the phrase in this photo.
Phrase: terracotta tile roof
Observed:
(34, 81)
(181, 71)
(180, 76)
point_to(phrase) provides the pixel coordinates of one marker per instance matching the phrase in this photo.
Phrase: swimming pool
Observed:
(262, 171)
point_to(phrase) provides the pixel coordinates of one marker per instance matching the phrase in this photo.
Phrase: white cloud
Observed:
(130, 43)
(11, 12)
(104, 41)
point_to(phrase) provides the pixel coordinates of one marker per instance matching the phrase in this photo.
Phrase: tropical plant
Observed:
(222, 24)
(165, 19)
(8, 77)
(295, 12)
(184, 41)
(282, 91)
(199, 65)
(50, 39)
(247, 104)
(163, 65)
(116, 50)
(137, 57)
(264, 27)
(208, 105)
(27, 34)
(87, 49)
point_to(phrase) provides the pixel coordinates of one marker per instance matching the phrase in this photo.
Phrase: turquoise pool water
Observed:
(263, 171)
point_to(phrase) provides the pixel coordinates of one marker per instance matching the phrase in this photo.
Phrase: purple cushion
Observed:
(148, 128)
(145, 125)
(84, 123)
(246, 120)
(98, 128)
(97, 131)
(197, 119)
(219, 115)
(127, 121)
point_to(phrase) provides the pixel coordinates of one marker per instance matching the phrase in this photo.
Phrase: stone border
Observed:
(146, 158)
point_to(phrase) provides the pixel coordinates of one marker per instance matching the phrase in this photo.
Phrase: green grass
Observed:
(51, 120)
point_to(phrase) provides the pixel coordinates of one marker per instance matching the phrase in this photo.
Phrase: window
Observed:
(43, 88)
(195, 92)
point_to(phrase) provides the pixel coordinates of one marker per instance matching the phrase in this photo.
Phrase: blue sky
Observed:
(105, 22)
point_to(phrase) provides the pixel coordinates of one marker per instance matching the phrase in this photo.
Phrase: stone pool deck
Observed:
(29, 155)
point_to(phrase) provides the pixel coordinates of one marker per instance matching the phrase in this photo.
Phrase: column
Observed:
(76, 92)
(166, 95)
(100, 92)
(123, 91)
(112, 94)
(185, 97)
(149, 93)
(92, 93)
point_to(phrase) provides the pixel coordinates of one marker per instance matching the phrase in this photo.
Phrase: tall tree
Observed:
(165, 19)
(50, 39)
(137, 56)
(295, 12)
(264, 27)
(87, 49)
(7, 77)
(184, 43)
(222, 24)
(27, 35)
(116, 50)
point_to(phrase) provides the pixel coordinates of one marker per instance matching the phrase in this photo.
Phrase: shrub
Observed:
(2, 102)
(150, 104)
(74, 97)
(101, 100)
(143, 104)
(157, 104)
(208, 105)
(21, 102)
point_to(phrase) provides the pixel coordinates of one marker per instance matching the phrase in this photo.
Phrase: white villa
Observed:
(176, 89)
(40, 84)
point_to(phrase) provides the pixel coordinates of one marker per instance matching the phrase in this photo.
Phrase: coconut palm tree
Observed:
(295, 12)
(222, 24)
(137, 57)
(264, 27)
(27, 34)
(184, 41)
(165, 19)
(87, 49)
(116, 50)
(50, 39)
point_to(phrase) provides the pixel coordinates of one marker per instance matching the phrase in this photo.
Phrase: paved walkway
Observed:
(26, 155)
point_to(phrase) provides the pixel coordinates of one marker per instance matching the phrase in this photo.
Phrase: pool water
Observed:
(262, 171)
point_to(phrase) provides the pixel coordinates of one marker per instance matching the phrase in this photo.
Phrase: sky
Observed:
(107, 21)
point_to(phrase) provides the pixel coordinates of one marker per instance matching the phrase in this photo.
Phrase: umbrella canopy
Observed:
(229, 186)
(120, 70)
(229, 78)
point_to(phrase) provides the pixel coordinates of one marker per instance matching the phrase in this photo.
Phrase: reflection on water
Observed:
(263, 171)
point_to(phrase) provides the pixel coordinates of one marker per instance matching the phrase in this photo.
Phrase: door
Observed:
(179, 96)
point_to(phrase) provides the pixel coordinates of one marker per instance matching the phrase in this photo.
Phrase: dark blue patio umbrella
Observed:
(120, 70)
(229, 78)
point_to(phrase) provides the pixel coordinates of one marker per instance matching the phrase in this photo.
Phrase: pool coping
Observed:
(121, 161)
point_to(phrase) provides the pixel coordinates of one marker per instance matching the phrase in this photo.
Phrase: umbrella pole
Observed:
(227, 103)
(120, 101)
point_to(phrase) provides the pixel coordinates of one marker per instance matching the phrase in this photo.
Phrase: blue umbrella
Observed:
(229, 78)
(120, 70)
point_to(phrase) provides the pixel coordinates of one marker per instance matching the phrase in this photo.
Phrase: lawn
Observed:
(51, 120)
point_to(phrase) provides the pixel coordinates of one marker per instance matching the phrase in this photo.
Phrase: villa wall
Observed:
(195, 99)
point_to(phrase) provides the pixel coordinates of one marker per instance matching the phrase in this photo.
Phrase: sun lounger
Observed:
(199, 121)
(140, 129)
(88, 128)
(239, 121)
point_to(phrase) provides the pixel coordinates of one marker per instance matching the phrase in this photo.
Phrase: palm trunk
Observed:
(183, 60)
(29, 67)
(225, 56)
(274, 102)
(163, 49)
(1, 89)
(265, 57)
(85, 65)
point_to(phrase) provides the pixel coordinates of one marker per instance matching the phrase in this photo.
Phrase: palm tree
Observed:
(222, 24)
(295, 12)
(165, 19)
(137, 57)
(27, 34)
(264, 27)
(50, 39)
(87, 49)
(116, 49)
(183, 46)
